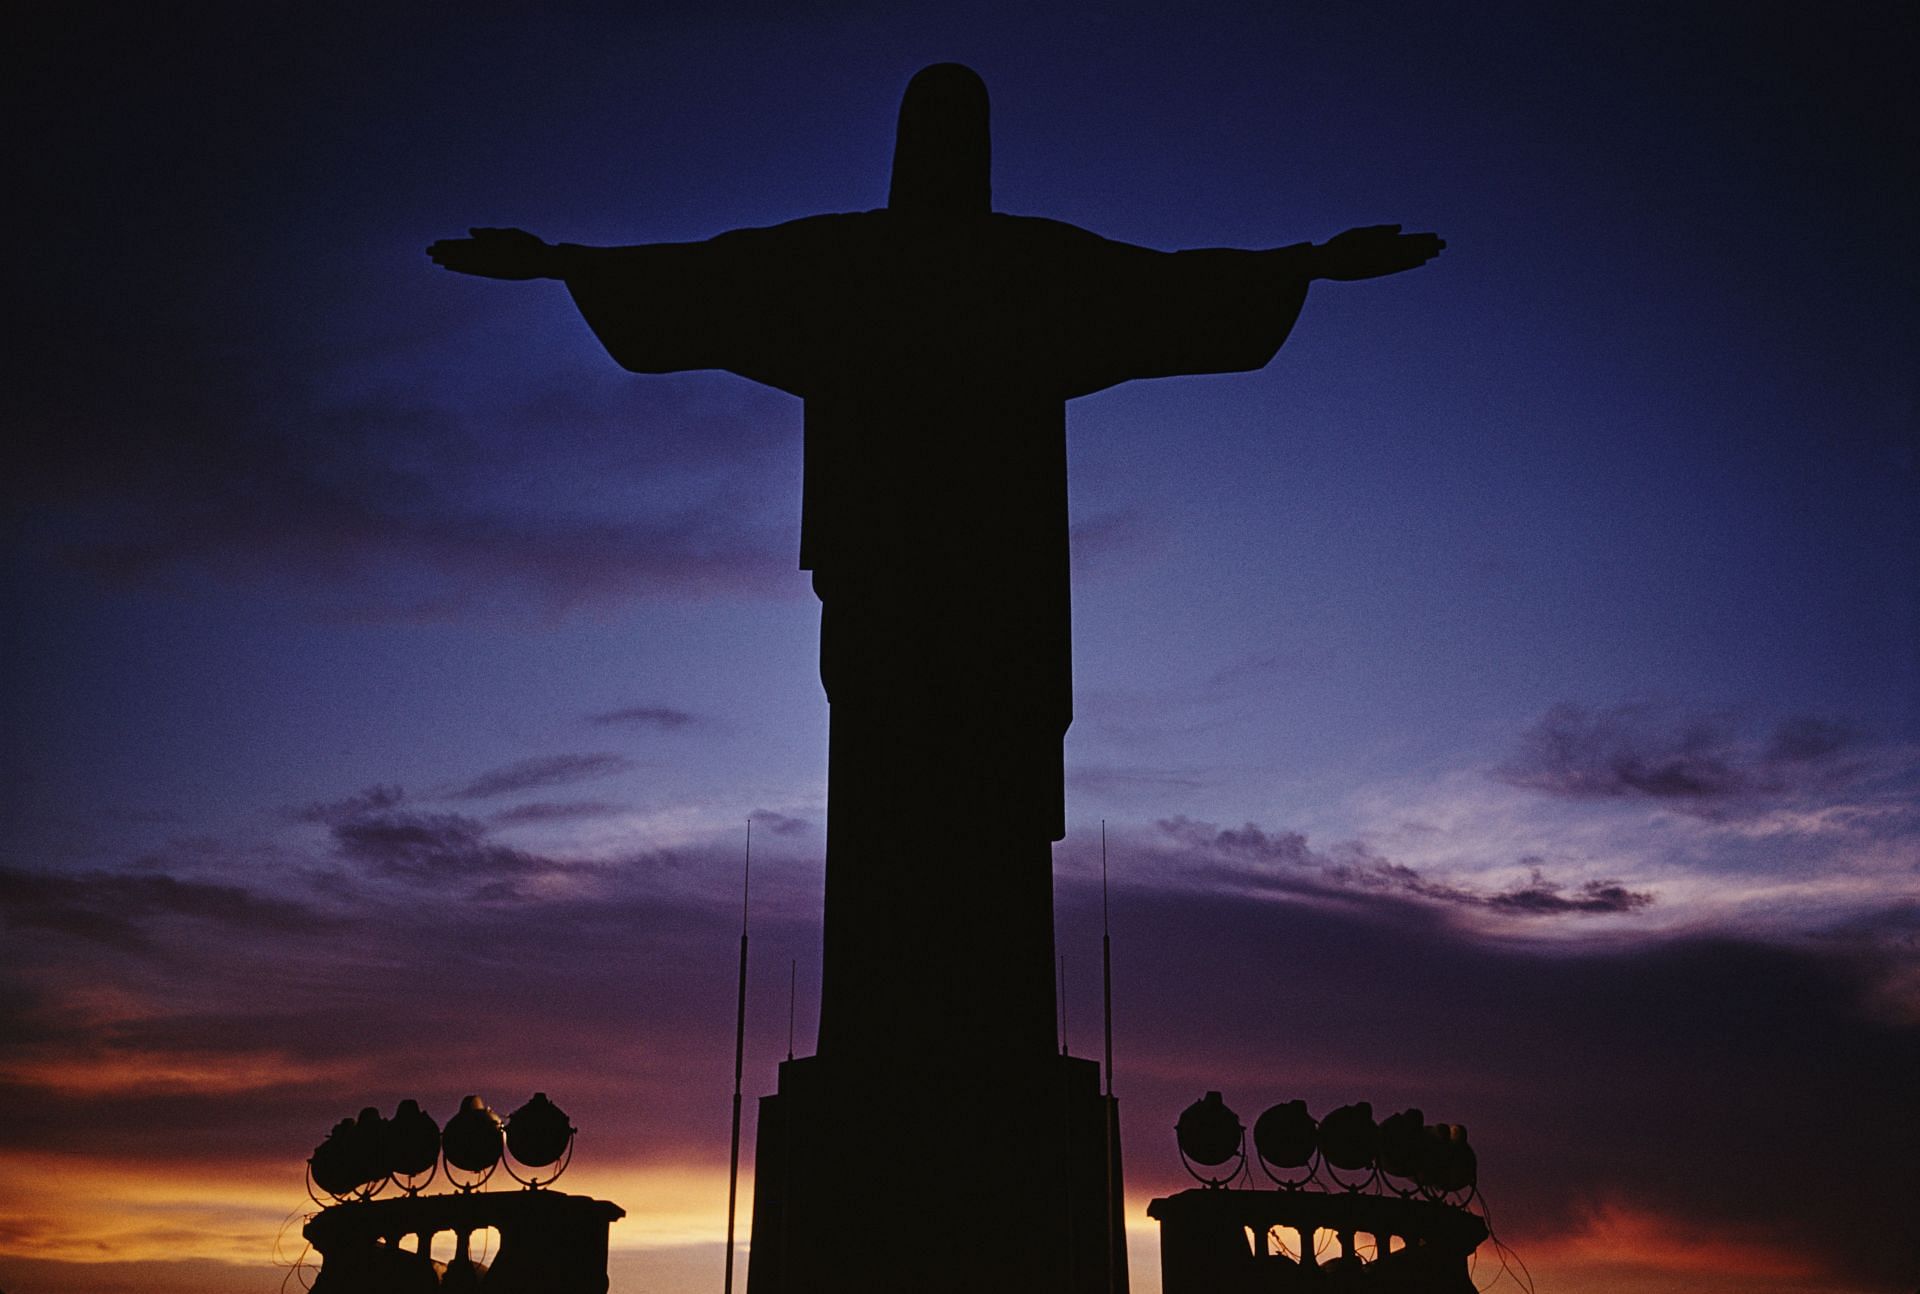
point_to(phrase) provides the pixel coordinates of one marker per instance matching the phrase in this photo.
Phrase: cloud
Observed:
(541, 772)
(1806, 738)
(781, 824)
(438, 848)
(665, 718)
(1540, 895)
(1284, 863)
(371, 800)
(1625, 1073)
(450, 565)
(1615, 1072)
(117, 907)
(544, 811)
(1698, 763)
(159, 447)
(614, 991)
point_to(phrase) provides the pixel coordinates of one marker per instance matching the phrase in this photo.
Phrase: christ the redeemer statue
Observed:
(936, 343)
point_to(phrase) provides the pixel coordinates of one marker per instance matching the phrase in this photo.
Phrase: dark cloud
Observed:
(1806, 738)
(543, 811)
(471, 562)
(1248, 842)
(1283, 863)
(119, 907)
(614, 993)
(156, 451)
(230, 408)
(371, 800)
(663, 717)
(1694, 762)
(437, 848)
(1628, 750)
(1634, 1073)
(1540, 895)
(781, 824)
(1624, 1073)
(540, 772)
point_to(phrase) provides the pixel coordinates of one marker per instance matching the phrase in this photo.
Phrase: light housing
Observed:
(1208, 1132)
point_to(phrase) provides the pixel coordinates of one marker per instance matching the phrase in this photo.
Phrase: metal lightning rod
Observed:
(739, 1057)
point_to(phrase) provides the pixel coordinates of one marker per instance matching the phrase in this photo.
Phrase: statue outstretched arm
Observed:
(504, 254)
(738, 302)
(1370, 252)
(1138, 313)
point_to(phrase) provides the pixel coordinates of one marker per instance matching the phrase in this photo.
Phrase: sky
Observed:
(1507, 702)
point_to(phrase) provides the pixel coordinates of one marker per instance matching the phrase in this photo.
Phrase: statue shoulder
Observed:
(842, 224)
(1060, 243)
(1041, 229)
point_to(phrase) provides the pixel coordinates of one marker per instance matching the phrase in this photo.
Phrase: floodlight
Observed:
(1284, 1135)
(472, 1137)
(1348, 1137)
(1208, 1132)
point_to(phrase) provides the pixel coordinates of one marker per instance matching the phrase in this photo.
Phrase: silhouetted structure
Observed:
(1238, 1242)
(550, 1243)
(1402, 1183)
(935, 343)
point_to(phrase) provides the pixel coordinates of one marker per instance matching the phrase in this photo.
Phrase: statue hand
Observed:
(1373, 250)
(498, 254)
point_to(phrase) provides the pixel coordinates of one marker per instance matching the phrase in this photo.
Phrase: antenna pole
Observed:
(793, 984)
(1106, 1010)
(739, 1057)
(1106, 960)
(1063, 1004)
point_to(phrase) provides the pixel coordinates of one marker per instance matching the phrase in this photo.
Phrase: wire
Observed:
(1523, 1278)
(296, 1267)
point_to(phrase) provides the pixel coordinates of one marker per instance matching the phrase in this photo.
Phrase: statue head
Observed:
(942, 152)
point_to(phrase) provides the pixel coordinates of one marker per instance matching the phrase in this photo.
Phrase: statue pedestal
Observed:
(980, 1174)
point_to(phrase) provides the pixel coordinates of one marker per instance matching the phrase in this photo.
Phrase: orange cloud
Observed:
(90, 1210)
(80, 1209)
(1618, 1247)
(125, 1071)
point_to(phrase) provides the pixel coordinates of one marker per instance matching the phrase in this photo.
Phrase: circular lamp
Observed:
(1284, 1135)
(1449, 1163)
(1348, 1137)
(538, 1133)
(471, 1139)
(1208, 1132)
(413, 1140)
(351, 1159)
(1403, 1144)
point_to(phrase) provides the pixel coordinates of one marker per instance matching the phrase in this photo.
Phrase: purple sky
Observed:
(1507, 702)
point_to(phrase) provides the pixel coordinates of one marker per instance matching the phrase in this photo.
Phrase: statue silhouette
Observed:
(935, 343)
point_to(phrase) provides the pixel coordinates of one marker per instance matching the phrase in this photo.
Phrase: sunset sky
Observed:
(1506, 703)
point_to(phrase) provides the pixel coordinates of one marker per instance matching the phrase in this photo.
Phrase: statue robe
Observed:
(935, 355)
(935, 358)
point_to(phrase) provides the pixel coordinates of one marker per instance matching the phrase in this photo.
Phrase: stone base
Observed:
(972, 1176)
